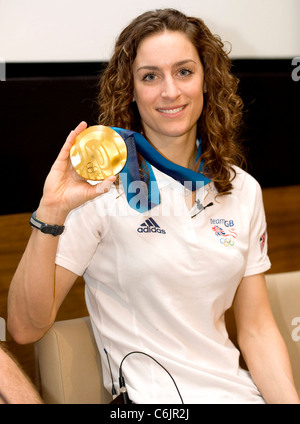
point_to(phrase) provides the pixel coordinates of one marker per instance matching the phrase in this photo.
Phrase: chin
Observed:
(176, 132)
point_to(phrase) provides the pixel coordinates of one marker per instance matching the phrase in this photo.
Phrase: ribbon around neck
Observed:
(141, 196)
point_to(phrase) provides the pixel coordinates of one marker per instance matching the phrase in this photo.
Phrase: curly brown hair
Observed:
(220, 121)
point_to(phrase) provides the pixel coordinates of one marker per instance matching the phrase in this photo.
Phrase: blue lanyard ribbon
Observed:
(140, 196)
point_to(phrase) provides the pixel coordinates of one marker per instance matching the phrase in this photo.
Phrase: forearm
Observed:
(15, 386)
(268, 361)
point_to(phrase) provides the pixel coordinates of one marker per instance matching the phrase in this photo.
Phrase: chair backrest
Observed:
(284, 295)
(69, 364)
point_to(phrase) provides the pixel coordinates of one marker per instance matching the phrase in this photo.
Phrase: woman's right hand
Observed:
(64, 189)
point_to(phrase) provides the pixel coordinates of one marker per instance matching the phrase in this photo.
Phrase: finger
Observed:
(74, 133)
(105, 185)
(80, 127)
(65, 151)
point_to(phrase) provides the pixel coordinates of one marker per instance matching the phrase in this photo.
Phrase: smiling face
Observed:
(168, 86)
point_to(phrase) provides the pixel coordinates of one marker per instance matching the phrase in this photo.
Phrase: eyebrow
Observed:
(156, 68)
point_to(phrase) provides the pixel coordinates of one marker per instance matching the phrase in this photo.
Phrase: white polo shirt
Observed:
(160, 282)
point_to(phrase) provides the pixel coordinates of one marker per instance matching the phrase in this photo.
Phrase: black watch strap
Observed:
(54, 230)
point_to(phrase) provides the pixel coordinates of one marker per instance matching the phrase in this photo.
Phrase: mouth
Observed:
(171, 110)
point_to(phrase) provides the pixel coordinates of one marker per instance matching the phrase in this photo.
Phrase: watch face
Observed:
(98, 152)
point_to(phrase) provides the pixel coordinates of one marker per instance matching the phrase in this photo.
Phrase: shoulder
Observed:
(243, 181)
(247, 192)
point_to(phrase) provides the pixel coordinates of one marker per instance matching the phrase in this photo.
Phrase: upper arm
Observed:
(27, 325)
(64, 280)
(251, 307)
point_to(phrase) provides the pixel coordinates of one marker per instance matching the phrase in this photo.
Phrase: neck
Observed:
(180, 150)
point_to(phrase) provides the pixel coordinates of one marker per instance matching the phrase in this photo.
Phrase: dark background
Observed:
(41, 102)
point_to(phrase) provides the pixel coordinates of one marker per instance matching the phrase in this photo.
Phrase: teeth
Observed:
(170, 111)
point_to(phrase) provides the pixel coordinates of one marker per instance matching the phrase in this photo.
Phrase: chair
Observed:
(69, 361)
(284, 295)
(69, 364)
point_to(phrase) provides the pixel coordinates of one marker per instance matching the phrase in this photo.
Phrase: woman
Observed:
(159, 281)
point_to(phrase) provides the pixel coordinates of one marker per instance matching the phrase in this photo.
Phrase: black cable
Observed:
(122, 380)
(113, 389)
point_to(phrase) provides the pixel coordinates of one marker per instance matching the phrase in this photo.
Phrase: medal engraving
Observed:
(98, 152)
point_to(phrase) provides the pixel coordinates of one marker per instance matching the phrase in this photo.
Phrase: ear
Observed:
(133, 95)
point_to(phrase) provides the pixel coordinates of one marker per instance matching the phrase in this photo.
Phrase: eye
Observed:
(185, 72)
(149, 77)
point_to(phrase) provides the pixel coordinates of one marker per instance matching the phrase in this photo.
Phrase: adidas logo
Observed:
(150, 226)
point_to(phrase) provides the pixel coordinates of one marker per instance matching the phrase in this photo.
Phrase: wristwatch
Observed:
(54, 230)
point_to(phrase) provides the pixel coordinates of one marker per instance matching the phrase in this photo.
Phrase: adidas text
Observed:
(150, 230)
(150, 226)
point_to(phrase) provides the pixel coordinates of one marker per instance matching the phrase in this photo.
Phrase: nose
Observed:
(170, 89)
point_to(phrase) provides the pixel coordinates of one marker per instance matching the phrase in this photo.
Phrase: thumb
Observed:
(105, 185)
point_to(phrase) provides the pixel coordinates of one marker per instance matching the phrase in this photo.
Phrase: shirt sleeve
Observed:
(257, 259)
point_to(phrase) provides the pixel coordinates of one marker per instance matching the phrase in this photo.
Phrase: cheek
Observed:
(144, 95)
(197, 95)
(145, 99)
(200, 101)
(199, 108)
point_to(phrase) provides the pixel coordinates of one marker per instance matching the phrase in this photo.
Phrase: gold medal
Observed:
(98, 152)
